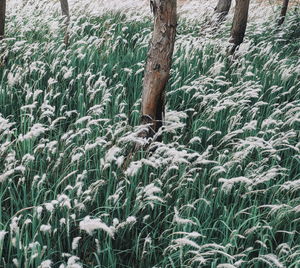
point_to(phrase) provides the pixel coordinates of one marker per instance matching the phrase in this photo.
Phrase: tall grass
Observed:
(221, 190)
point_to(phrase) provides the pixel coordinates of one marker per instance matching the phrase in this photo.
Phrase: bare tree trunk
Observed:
(239, 24)
(222, 9)
(2, 18)
(66, 14)
(283, 12)
(159, 61)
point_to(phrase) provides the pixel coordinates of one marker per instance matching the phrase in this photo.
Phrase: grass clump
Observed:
(221, 189)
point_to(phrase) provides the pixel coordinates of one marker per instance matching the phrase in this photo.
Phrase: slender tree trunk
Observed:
(158, 65)
(239, 24)
(222, 9)
(283, 12)
(2, 18)
(66, 14)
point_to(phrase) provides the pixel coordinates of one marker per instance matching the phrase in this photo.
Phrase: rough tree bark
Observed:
(2, 18)
(283, 12)
(239, 24)
(66, 14)
(222, 9)
(158, 64)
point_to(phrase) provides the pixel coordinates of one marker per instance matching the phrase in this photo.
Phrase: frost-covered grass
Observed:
(221, 190)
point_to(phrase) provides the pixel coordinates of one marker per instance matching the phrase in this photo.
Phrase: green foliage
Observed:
(222, 187)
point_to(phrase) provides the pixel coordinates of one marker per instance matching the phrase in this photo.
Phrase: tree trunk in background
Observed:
(239, 24)
(283, 11)
(66, 14)
(222, 9)
(2, 18)
(158, 64)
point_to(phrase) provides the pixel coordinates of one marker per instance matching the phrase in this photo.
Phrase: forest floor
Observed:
(222, 188)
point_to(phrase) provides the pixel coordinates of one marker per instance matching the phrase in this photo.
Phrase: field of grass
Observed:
(221, 190)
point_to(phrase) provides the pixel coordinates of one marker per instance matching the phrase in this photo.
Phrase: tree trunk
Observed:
(222, 9)
(158, 64)
(66, 14)
(283, 12)
(2, 18)
(239, 24)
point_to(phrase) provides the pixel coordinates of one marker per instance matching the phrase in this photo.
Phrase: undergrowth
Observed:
(221, 190)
